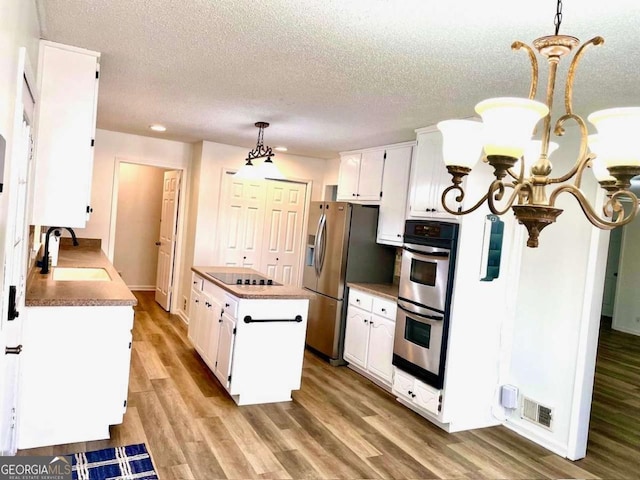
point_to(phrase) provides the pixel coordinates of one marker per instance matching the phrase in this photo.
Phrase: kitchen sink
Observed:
(80, 274)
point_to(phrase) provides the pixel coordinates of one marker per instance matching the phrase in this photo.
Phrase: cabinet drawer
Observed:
(384, 308)
(360, 300)
(197, 282)
(230, 306)
(402, 384)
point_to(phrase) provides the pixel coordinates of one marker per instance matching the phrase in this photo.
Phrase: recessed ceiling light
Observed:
(157, 128)
(281, 149)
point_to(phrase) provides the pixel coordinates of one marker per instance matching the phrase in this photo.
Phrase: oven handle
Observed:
(422, 315)
(427, 254)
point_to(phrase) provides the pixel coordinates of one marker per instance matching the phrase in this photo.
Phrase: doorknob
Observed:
(13, 350)
(158, 244)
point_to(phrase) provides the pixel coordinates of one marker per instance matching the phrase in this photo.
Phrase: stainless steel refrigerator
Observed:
(341, 247)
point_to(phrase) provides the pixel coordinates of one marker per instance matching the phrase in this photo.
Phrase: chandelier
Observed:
(505, 133)
(268, 169)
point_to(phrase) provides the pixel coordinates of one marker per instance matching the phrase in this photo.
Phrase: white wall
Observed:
(626, 313)
(550, 347)
(113, 146)
(135, 254)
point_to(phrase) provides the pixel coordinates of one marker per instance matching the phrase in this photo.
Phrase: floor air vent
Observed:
(536, 413)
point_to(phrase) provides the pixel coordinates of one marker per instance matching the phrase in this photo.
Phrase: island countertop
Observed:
(44, 291)
(251, 291)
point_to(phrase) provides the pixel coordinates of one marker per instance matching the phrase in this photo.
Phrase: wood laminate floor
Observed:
(340, 425)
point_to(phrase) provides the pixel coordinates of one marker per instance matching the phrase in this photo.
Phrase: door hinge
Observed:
(381, 194)
(125, 403)
(97, 74)
(129, 345)
(385, 156)
(216, 363)
(229, 378)
(93, 142)
(89, 209)
(234, 330)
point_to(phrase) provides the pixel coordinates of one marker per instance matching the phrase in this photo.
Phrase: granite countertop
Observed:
(251, 291)
(386, 290)
(44, 291)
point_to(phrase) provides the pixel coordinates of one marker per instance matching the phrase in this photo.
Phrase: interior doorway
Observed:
(611, 272)
(140, 240)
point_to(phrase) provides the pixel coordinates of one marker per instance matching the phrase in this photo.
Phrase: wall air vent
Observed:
(536, 413)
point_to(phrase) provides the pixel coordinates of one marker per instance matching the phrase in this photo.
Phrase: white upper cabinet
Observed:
(360, 176)
(66, 122)
(393, 205)
(429, 176)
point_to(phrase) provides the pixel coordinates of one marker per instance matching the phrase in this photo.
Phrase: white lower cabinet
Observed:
(368, 341)
(417, 393)
(74, 373)
(254, 346)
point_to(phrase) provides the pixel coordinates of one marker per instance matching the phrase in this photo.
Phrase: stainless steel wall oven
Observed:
(426, 284)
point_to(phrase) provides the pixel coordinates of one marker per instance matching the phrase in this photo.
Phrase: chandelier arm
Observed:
(583, 156)
(499, 188)
(612, 208)
(517, 45)
(459, 198)
(568, 90)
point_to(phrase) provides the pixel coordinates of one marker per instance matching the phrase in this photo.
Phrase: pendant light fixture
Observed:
(267, 169)
(505, 133)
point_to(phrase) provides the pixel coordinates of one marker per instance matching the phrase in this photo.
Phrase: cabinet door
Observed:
(393, 205)
(214, 317)
(370, 176)
(225, 350)
(429, 177)
(381, 332)
(204, 327)
(194, 316)
(66, 131)
(348, 177)
(356, 338)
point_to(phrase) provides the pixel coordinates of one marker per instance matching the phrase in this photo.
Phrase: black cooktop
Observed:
(242, 278)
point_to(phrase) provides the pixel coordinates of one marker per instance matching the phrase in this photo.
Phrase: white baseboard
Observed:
(535, 437)
(625, 330)
(182, 316)
(142, 288)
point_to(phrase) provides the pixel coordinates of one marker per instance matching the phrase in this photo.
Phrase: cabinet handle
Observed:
(353, 194)
(409, 392)
(158, 244)
(413, 395)
(227, 305)
(371, 323)
(366, 321)
(357, 300)
(13, 350)
(357, 194)
(398, 235)
(197, 301)
(384, 310)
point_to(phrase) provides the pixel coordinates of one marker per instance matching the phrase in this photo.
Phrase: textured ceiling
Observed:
(330, 75)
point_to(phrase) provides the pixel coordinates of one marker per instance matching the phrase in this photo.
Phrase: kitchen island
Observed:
(76, 349)
(251, 336)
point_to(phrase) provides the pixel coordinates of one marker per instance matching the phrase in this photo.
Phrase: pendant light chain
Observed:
(558, 18)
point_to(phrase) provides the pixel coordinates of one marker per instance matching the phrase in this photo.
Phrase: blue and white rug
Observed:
(120, 463)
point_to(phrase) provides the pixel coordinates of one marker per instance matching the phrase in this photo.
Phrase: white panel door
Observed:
(168, 231)
(13, 238)
(283, 231)
(241, 222)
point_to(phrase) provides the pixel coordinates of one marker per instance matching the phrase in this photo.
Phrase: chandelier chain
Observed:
(558, 18)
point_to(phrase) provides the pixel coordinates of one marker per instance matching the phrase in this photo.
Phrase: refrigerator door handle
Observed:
(316, 247)
(322, 242)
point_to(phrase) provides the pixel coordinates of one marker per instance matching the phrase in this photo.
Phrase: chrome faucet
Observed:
(44, 263)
